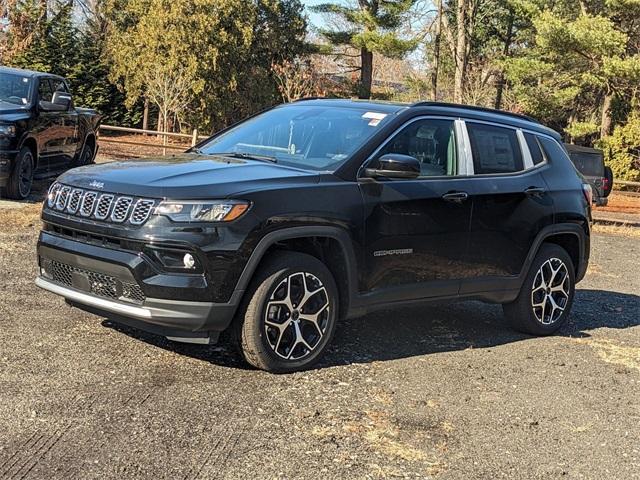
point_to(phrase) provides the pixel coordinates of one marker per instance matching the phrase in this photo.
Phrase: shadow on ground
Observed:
(433, 328)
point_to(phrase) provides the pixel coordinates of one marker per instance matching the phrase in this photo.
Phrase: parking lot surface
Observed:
(439, 391)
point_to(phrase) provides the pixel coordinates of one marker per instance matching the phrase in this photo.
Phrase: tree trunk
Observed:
(145, 115)
(461, 51)
(606, 122)
(366, 73)
(436, 54)
(505, 53)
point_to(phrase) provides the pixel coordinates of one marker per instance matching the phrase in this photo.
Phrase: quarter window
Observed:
(534, 148)
(431, 141)
(494, 149)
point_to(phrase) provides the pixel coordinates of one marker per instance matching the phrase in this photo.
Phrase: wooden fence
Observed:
(193, 137)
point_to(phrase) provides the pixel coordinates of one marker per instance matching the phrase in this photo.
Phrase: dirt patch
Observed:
(19, 218)
(621, 203)
(621, 230)
(616, 353)
(154, 148)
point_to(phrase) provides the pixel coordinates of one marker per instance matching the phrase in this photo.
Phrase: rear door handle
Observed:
(534, 191)
(456, 197)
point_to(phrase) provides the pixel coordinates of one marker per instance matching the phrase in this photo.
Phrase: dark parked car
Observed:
(590, 163)
(41, 132)
(321, 210)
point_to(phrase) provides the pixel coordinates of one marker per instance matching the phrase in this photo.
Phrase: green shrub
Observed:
(622, 149)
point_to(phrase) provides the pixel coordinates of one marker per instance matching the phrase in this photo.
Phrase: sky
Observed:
(315, 19)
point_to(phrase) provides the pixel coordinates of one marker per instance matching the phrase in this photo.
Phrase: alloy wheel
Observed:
(550, 292)
(297, 316)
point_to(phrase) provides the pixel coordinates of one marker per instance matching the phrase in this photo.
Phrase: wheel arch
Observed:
(331, 245)
(571, 237)
(32, 144)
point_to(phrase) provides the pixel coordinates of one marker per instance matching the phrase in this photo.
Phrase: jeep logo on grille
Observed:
(96, 184)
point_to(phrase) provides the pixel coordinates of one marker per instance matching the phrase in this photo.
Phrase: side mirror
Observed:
(62, 99)
(394, 165)
(60, 102)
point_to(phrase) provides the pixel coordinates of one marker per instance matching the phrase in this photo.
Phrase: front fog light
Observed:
(189, 261)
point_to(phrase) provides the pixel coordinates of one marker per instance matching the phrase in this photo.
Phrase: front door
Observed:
(49, 130)
(417, 229)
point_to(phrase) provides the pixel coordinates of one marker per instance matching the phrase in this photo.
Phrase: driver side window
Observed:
(432, 142)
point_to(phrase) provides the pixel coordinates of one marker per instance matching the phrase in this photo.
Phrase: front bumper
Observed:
(116, 284)
(7, 158)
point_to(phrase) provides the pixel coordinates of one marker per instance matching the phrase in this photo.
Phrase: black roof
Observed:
(28, 73)
(442, 108)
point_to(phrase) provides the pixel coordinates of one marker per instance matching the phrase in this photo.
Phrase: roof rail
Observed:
(475, 107)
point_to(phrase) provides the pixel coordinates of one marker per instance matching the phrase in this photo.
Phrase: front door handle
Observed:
(456, 197)
(534, 191)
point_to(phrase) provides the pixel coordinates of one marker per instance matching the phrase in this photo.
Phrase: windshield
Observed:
(15, 89)
(312, 137)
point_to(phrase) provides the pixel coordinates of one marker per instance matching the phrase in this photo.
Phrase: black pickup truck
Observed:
(41, 132)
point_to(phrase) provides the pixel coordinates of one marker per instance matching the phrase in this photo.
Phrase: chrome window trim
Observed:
(371, 157)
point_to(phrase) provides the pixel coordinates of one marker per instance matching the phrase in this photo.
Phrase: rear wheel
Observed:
(289, 315)
(545, 299)
(21, 178)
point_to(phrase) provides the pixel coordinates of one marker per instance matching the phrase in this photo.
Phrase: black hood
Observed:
(186, 176)
(10, 112)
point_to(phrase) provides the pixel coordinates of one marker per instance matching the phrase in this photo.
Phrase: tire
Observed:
(272, 332)
(86, 157)
(21, 178)
(544, 288)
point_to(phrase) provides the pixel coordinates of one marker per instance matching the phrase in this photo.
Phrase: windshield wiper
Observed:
(248, 156)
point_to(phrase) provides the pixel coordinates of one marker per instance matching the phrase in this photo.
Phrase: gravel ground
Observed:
(444, 391)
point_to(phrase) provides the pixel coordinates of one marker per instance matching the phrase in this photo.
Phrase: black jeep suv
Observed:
(312, 212)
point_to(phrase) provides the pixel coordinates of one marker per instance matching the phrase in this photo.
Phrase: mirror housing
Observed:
(394, 165)
(60, 102)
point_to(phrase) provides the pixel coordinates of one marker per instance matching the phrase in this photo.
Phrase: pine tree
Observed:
(372, 27)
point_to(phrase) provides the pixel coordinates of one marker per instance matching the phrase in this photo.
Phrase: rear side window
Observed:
(553, 150)
(494, 149)
(534, 148)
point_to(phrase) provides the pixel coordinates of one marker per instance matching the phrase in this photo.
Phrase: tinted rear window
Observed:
(553, 150)
(588, 163)
(495, 149)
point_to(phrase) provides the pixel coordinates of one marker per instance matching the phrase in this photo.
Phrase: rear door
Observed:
(511, 204)
(416, 230)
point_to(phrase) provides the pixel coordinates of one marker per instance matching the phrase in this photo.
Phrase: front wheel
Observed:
(546, 295)
(289, 315)
(21, 178)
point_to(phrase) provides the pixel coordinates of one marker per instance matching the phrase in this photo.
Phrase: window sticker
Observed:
(374, 117)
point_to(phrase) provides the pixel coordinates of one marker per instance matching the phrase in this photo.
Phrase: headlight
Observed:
(202, 211)
(7, 130)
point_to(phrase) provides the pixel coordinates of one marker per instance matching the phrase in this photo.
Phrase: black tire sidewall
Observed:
(13, 188)
(253, 332)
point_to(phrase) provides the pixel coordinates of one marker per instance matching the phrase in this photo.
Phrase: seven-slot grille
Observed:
(98, 283)
(99, 206)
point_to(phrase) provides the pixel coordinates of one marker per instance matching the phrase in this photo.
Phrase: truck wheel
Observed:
(546, 296)
(289, 313)
(86, 156)
(21, 178)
